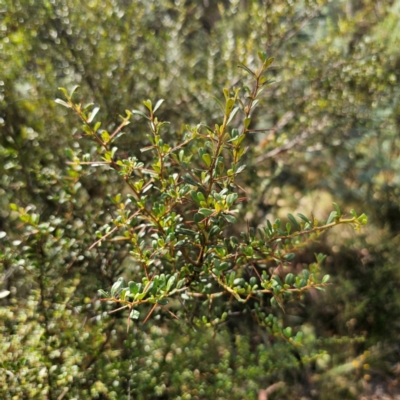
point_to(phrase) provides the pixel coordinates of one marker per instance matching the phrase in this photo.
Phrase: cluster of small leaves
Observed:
(181, 204)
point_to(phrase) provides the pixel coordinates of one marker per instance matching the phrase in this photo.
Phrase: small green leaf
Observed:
(303, 282)
(338, 210)
(4, 293)
(180, 283)
(148, 105)
(226, 93)
(304, 218)
(289, 279)
(287, 332)
(268, 62)
(229, 105)
(93, 114)
(133, 287)
(74, 89)
(158, 104)
(253, 281)
(254, 104)
(229, 218)
(117, 287)
(97, 126)
(140, 113)
(205, 211)
(193, 195)
(224, 266)
(233, 114)
(170, 283)
(122, 294)
(13, 207)
(262, 55)
(325, 278)
(234, 133)
(242, 66)
(87, 106)
(240, 169)
(105, 136)
(362, 219)
(103, 293)
(207, 159)
(231, 198)
(200, 196)
(184, 231)
(64, 91)
(293, 221)
(239, 282)
(135, 314)
(214, 230)
(62, 102)
(333, 215)
(188, 179)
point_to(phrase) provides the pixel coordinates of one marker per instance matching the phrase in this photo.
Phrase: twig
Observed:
(303, 136)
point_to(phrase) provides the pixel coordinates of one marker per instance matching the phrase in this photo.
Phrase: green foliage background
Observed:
(333, 115)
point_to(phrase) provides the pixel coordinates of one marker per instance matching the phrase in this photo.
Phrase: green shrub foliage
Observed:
(333, 120)
(181, 204)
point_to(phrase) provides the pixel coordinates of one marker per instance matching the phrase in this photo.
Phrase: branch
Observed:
(303, 136)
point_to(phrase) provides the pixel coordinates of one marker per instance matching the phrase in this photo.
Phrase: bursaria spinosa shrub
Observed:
(180, 218)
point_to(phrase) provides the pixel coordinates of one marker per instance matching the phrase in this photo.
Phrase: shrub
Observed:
(180, 209)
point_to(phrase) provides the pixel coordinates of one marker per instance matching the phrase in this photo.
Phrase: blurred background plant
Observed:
(328, 130)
